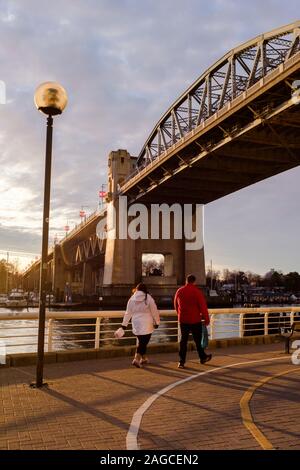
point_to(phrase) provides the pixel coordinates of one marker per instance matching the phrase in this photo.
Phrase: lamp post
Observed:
(102, 194)
(51, 99)
(83, 212)
(66, 228)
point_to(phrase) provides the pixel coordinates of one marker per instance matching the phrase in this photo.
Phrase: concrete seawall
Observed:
(26, 359)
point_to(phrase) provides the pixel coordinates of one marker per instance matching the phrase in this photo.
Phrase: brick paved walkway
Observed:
(90, 404)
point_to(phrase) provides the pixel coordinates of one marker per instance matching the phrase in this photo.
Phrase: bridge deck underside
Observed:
(256, 149)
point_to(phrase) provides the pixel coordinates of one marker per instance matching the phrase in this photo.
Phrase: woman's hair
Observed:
(143, 288)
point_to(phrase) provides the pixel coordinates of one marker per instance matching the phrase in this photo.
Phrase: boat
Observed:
(16, 299)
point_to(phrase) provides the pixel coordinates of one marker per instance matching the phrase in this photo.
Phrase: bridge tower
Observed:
(123, 257)
(119, 265)
(120, 165)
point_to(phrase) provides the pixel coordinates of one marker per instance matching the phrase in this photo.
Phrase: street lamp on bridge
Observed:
(83, 213)
(102, 194)
(66, 229)
(51, 99)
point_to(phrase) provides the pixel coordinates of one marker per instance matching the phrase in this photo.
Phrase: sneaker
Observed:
(180, 365)
(136, 363)
(145, 360)
(206, 359)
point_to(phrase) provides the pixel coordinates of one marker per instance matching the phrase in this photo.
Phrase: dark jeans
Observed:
(143, 341)
(196, 330)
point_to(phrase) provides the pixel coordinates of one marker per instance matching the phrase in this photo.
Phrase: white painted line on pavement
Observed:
(131, 438)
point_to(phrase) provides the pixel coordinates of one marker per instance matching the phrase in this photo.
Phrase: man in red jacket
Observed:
(190, 305)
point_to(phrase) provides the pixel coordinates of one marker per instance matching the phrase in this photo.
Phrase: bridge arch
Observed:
(233, 74)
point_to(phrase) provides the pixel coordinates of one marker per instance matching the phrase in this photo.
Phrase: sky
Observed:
(123, 63)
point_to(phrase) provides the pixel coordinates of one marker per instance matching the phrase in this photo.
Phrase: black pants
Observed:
(143, 341)
(196, 330)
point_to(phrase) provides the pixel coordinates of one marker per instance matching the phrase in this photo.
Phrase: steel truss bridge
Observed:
(236, 125)
(233, 127)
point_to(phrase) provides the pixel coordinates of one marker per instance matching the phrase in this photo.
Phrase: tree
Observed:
(242, 278)
(3, 275)
(9, 276)
(227, 276)
(292, 281)
(273, 279)
(212, 277)
(253, 279)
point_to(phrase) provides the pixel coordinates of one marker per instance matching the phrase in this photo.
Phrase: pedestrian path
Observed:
(247, 397)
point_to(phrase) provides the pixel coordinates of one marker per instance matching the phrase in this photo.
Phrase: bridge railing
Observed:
(234, 102)
(82, 224)
(67, 330)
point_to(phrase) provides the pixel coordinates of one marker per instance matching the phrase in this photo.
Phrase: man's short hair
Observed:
(190, 279)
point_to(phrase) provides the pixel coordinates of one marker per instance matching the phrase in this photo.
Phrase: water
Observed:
(21, 336)
(11, 331)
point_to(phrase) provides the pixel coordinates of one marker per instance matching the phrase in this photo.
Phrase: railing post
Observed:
(241, 325)
(292, 316)
(266, 323)
(97, 333)
(50, 334)
(212, 326)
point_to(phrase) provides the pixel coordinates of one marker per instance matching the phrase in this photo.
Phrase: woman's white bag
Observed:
(119, 333)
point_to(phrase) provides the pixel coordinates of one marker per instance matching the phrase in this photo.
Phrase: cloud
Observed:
(122, 63)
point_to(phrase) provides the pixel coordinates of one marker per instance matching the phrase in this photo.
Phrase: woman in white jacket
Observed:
(142, 311)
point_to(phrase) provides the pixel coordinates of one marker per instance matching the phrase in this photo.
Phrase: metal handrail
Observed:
(119, 314)
(206, 123)
(225, 323)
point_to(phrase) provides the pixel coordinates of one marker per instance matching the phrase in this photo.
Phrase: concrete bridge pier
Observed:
(123, 266)
(60, 273)
(123, 270)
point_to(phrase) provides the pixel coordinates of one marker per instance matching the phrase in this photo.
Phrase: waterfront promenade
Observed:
(247, 397)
